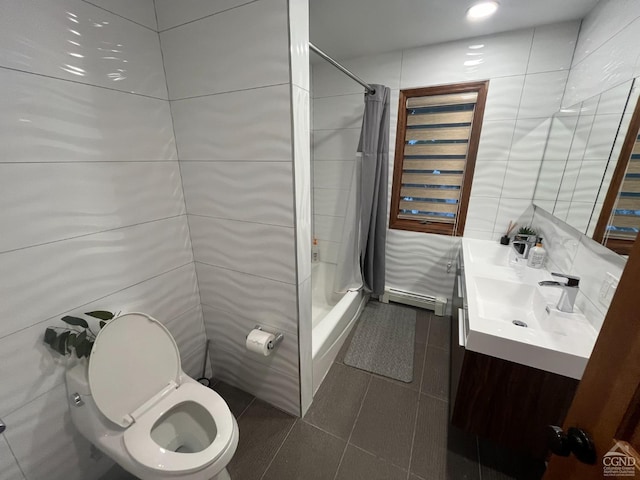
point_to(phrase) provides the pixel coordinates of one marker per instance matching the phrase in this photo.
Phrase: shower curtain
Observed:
(361, 259)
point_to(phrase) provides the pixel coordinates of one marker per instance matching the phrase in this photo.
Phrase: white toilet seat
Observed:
(142, 448)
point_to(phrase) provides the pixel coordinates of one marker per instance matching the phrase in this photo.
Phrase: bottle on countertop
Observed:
(315, 251)
(537, 255)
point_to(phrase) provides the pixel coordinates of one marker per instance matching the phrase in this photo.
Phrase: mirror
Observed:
(581, 154)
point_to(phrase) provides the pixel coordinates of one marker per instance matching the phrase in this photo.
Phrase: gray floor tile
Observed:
(429, 458)
(238, 400)
(462, 455)
(338, 400)
(385, 424)
(118, 473)
(500, 463)
(263, 428)
(418, 366)
(347, 342)
(435, 377)
(440, 332)
(360, 465)
(423, 318)
(307, 454)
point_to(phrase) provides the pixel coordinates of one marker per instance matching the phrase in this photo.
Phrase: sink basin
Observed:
(519, 305)
(488, 253)
(510, 302)
(510, 316)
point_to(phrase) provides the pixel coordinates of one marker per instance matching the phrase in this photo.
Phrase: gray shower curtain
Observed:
(374, 146)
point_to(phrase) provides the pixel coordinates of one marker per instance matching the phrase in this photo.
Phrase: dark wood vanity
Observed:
(500, 400)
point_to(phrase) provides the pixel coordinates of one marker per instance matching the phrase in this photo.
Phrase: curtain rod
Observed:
(370, 90)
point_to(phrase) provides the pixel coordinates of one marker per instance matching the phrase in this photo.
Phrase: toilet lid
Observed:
(134, 357)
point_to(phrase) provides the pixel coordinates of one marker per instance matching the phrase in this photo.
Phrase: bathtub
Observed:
(333, 317)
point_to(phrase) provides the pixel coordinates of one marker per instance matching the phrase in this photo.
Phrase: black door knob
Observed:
(575, 441)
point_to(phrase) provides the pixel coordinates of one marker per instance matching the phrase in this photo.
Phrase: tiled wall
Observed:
(581, 154)
(607, 53)
(93, 215)
(570, 251)
(527, 70)
(301, 123)
(232, 116)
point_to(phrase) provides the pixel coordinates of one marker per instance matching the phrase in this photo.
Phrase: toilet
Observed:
(135, 404)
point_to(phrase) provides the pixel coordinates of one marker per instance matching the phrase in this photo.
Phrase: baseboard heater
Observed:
(437, 304)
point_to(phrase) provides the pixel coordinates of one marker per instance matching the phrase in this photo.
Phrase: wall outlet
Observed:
(608, 289)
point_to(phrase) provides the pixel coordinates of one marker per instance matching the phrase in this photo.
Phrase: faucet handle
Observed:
(572, 280)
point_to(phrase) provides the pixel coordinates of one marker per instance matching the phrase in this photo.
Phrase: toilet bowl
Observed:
(135, 404)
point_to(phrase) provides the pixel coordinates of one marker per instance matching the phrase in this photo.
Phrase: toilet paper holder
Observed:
(275, 342)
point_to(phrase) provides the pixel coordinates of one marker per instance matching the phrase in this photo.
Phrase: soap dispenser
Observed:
(537, 255)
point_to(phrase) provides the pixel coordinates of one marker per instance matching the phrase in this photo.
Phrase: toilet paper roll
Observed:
(258, 341)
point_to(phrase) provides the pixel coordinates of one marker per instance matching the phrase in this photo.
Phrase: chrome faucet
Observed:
(524, 245)
(569, 290)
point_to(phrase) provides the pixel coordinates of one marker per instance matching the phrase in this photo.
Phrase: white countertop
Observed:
(499, 290)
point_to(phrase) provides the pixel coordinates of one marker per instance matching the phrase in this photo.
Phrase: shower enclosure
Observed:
(346, 213)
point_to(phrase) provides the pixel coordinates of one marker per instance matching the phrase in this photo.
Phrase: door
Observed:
(607, 402)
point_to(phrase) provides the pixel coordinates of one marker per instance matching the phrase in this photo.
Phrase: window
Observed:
(436, 146)
(619, 221)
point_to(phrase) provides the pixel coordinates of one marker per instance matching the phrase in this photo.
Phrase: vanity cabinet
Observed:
(501, 400)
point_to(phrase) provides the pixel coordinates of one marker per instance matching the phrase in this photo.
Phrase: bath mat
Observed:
(384, 341)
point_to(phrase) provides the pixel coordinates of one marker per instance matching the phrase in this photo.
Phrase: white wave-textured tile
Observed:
(238, 115)
(141, 11)
(268, 384)
(53, 120)
(383, 69)
(245, 243)
(335, 143)
(302, 178)
(495, 140)
(344, 111)
(250, 191)
(498, 55)
(270, 141)
(77, 41)
(228, 332)
(47, 445)
(94, 211)
(197, 57)
(542, 94)
(89, 197)
(270, 301)
(503, 98)
(171, 14)
(606, 53)
(8, 463)
(82, 269)
(164, 297)
(553, 47)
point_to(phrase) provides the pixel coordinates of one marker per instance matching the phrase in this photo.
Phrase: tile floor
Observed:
(362, 426)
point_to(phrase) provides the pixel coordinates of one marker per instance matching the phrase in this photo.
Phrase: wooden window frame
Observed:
(620, 246)
(456, 229)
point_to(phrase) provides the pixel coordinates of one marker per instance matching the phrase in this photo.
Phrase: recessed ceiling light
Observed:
(482, 10)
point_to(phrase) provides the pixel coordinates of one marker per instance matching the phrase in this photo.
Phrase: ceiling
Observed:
(351, 28)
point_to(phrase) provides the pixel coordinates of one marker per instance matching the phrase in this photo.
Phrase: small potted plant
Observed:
(526, 234)
(79, 337)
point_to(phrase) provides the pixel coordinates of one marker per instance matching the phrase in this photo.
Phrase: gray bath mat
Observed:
(384, 341)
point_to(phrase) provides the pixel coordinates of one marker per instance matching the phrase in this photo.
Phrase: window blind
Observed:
(437, 134)
(625, 220)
